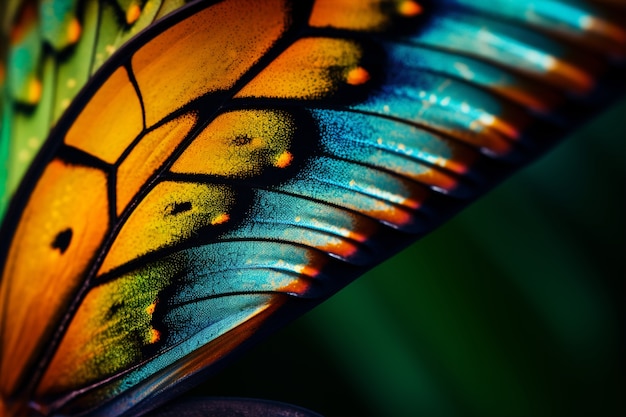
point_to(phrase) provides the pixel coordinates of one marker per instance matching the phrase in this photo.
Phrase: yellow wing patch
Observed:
(111, 120)
(50, 252)
(170, 214)
(240, 144)
(182, 63)
(148, 155)
(372, 15)
(311, 68)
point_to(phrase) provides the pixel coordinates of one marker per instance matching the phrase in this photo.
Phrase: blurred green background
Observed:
(514, 308)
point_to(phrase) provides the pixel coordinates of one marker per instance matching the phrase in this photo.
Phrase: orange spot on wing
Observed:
(150, 309)
(34, 91)
(284, 159)
(342, 249)
(308, 270)
(506, 128)
(396, 217)
(297, 286)
(155, 335)
(73, 31)
(357, 76)
(501, 125)
(410, 8)
(435, 178)
(222, 218)
(132, 14)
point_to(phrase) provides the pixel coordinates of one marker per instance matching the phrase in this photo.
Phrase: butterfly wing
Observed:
(54, 49)
(190, 210)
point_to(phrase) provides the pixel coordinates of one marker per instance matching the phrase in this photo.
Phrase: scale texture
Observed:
(185, 177)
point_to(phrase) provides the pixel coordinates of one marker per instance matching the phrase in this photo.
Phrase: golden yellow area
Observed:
(73, 31)
(133, 13)
(110, 121)
(48, 258)
(202, 54)
(148, 156)
(171, 213)
(107, 332)
(239, 144)
(363, 15)
(308, 69)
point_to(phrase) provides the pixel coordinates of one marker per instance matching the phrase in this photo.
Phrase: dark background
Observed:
(514, 308)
